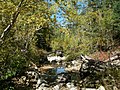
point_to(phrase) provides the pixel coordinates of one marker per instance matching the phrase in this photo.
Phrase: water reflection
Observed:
(60, 70)
(61, 75)
(56, 71)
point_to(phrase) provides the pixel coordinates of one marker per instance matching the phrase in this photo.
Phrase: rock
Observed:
(57, 87)
(61, 78)
(116, 62)
(88, 89)
(56, 58)
(101, 88)
(23, 78)
(43, 87)
(115, 88)
(38, 83)
(59, 53)
(71, 86)
(90, 67)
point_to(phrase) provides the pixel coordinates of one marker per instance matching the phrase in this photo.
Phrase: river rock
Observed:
(100, 88)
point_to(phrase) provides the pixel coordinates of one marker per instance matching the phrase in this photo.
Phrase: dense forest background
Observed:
(31, 28)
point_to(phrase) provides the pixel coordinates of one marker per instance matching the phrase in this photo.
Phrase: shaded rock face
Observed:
(100, 88)
(59, 53)
(91, 67)
(95, 71)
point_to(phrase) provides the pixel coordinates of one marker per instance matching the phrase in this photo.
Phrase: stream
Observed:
(63, 75)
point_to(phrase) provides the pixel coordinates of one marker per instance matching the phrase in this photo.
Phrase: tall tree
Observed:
(19, 20)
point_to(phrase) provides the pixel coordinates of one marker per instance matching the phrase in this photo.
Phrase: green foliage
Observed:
(12, 60)
(96, 26)
(116, 22)
(18, 47)
(90, 31)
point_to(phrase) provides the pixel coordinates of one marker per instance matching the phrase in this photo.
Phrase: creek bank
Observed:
(70, 75)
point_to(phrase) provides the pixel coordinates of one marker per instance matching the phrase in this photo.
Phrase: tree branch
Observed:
(14, 17)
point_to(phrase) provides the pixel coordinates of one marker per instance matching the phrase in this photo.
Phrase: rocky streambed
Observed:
(82, 73)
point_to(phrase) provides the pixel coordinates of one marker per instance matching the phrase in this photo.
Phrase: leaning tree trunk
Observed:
(14, 17)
